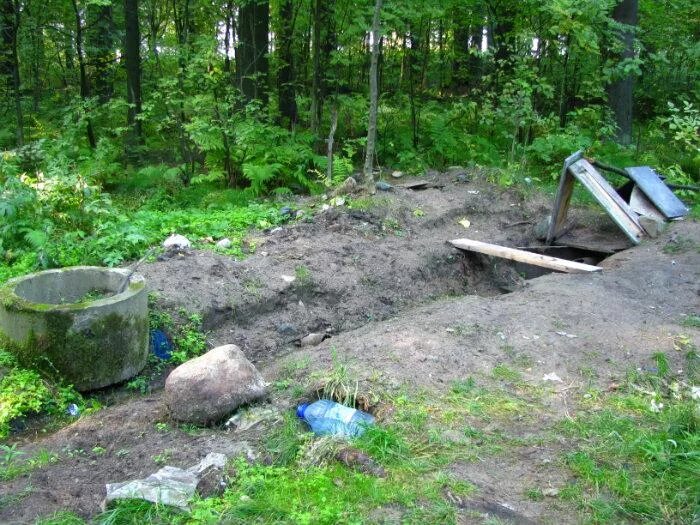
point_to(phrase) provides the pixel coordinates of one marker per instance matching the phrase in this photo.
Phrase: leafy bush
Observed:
(24, 392)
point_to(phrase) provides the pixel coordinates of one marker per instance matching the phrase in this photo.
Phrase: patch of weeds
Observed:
(679, 245)
(418, 213)
(98, 450)
(338, 384)
(464, 330)
(367, 203)
(13, 466)
(462, 386)
(636, 462)
(7, 500)
(133, 511)
(163, 457)
(189, 339)
(139, 384)
(62, 517)
(302, 276)
(285, 441)
(279, 494)
(690, 321)
(471, 400)
(385, 444)
(253, 285)
(25, 392)
(505, 373)
(162, 427)
(534, 494)
(191, 429)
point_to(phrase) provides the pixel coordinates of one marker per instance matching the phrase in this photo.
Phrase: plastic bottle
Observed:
(327, 417)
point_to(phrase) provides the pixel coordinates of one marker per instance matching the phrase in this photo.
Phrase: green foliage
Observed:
(638, 464)
(189, 340)
(24, 393)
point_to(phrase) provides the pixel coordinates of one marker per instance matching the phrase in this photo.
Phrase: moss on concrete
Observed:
(85, 359)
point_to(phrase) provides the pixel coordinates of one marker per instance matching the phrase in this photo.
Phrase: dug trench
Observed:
(407, 315)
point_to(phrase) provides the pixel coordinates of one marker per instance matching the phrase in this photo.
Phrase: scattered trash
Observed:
(383, 186)
(173, 486)
(695, 392)
(253, 416)
(327, 417)
(299, 213)
(286, 211)
(325, 207)
(73, 410)
(160, 344)
(655, 407)
(397, 174)
(338, 201)
(473, 192)
(464, 222)
(550, 492)
(553, 377)
(177, 241)
(564, 334)
(224, 243)
(276, 230)
(312, 339)
(288, 278)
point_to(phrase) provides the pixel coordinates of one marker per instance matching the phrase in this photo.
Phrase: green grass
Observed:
(690, 321)
(634, 464)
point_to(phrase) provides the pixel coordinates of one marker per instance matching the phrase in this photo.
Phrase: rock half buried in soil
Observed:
(209, 387)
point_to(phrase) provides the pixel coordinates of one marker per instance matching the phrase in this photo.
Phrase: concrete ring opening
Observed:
(77, 323)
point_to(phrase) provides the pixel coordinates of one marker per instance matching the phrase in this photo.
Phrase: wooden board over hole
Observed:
(544, 261)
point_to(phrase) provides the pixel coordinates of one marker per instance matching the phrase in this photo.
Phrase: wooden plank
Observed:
(641, 205)
(543, 261)
(563, 198)
(657, 192)
(606, 195)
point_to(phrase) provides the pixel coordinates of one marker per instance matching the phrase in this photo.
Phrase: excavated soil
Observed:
(404, 310)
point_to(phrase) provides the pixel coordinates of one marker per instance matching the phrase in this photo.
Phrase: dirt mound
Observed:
(349, 266)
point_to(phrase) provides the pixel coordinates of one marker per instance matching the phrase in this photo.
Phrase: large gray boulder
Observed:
(211, 386)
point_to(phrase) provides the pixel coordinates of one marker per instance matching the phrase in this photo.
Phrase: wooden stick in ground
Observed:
(543, 261)
(331, 134)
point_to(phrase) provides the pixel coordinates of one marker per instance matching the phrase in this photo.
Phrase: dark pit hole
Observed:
(592, 257)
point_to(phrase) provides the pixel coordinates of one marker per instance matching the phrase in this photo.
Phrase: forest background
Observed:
(124, 121)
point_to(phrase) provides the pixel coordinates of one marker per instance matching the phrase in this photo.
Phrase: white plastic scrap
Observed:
(177, 241)
(564, 334)
(695, 392)
(655, 407)
(552, 376)
(169, 486)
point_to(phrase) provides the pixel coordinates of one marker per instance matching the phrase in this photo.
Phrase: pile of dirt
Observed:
(351, 266)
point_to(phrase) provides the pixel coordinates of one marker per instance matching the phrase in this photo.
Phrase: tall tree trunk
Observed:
(285, 74)
(373, 96)
(132, 57)
(84, 82)
(251, 56)
(315, 110)
(9, 60)
(101, 49)
(620, 91)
